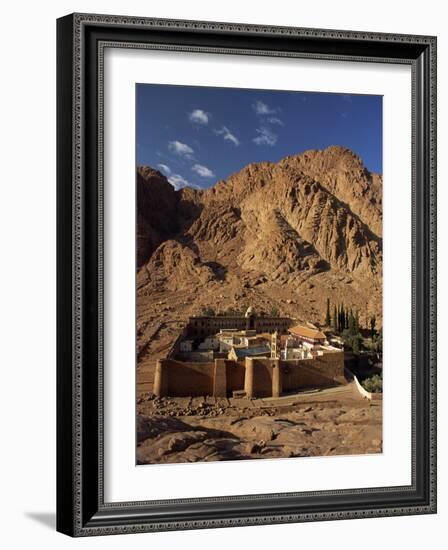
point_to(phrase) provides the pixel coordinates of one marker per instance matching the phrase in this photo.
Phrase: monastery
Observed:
(250, 356)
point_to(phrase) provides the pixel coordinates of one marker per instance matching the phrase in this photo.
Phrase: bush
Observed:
(378, 342)
(374, 384)
(353, 341)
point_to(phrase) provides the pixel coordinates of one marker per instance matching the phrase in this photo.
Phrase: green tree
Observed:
(378, 342)
(355, 341)
(335, 318)
(357, 322)
(275, 312)
(372, 325)
(328, 316)
(341, 318)
(351, 323)
(374, 384)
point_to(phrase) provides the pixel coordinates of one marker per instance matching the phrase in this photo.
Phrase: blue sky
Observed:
(199, 135)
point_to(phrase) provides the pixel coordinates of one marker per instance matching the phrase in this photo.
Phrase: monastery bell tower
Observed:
(275, 345)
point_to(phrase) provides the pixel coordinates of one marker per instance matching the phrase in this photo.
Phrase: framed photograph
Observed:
(246, 274)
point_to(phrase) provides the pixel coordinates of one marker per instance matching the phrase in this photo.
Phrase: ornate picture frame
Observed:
(81, 506)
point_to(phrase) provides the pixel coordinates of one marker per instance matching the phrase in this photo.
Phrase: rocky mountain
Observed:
(156, 212)
(284, 235)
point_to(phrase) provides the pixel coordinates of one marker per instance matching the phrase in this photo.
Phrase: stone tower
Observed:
(275, 345)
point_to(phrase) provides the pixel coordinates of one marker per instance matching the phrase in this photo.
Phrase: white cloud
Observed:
(165, 169)
(228, 136)
(177, 181)
(203, 171)
(268, 115)
(275, 120)
(181, 149)
(199, 116)
(265, 137)
(262, 108)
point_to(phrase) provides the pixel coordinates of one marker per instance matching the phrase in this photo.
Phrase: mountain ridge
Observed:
(273, 235)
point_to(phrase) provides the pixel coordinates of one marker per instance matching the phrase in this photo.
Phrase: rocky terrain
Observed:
(283, 236)
(277, 236)
(330, 422)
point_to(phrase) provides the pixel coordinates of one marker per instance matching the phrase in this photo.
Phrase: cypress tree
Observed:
(351, 323)
(328, 316)
(357, 322)
(335, 318)
(372, 324)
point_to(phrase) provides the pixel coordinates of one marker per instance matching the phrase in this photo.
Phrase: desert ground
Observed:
(333, 421)
(280, 237)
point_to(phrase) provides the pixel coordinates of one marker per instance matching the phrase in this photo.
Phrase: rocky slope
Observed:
(331, 422)
(283, 235)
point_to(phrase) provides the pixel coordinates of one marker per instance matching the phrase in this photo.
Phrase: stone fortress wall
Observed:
(200, 373)
(258, 377)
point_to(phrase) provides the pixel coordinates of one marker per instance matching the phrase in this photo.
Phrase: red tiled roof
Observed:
(307, 332)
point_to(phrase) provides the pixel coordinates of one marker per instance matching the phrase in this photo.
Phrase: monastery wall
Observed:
(319, 372)
(179, 378)
(259, 377)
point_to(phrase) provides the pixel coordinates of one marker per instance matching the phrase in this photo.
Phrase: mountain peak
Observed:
(287, 235)
(342, 173)
(333, 157)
